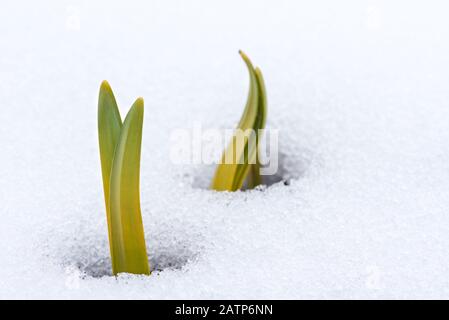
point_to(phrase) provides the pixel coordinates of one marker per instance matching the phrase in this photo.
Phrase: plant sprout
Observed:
(245, 165)
(120, 148)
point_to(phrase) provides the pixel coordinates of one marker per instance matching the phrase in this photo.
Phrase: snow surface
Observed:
(358, 89)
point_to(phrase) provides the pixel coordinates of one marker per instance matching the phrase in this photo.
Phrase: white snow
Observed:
(358, 89)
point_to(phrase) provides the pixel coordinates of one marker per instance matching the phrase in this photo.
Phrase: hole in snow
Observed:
(85, 247)
(172, 245)
(97, 263)
(88, 254)
(289, 167)
(170, 258)
(97, 268)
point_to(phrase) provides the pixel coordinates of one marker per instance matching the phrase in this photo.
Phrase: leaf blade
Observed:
(231, 177)
(254, 179)
(127, 227)
(109, 128)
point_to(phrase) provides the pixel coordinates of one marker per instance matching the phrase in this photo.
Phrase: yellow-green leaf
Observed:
(231, 176)
(254, 179)
(128, 240)
(109, 127)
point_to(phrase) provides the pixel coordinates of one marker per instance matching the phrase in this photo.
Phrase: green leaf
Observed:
(120, 148)
(254, 179)
(245, 164)
(109, 127)
(128, 240)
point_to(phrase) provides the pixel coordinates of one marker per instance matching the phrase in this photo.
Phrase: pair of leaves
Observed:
(120, 149)
(244, 164)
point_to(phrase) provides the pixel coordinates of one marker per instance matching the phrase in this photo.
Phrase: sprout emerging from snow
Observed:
(120, 148)
(240, 161)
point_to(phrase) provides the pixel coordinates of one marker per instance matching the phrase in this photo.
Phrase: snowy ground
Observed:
(359, 90)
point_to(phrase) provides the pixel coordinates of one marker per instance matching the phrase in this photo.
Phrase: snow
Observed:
(358, 89)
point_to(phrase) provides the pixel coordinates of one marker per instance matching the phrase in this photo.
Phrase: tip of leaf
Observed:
(139, 102)
(138, 105)
(105, 85)
(246, 59)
